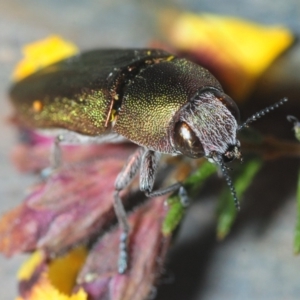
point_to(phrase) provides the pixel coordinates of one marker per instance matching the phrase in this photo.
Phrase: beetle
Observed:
(163, 103)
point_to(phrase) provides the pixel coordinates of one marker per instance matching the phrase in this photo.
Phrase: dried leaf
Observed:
(147, 248)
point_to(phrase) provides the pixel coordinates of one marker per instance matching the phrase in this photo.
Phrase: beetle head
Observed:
(207, 126)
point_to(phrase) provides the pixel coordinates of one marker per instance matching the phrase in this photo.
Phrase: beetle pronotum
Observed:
(160, 102)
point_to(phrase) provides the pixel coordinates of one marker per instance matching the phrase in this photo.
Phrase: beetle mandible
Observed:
(160, 102)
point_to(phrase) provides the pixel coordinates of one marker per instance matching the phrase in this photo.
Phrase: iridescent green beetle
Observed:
(160, 102)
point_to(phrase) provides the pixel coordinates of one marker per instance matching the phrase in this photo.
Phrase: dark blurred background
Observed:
(256, 261)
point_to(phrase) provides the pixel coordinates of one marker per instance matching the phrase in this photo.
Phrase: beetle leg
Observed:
(148, 170)
(167, 190)
(123, 180)
(55, 157)
(148, 161)
(56, 154)
(147, 177)
(123, 222)
(129, 170)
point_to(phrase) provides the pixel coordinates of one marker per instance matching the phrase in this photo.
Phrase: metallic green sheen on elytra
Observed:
(85, 113)
(77, 93)
(138, 94)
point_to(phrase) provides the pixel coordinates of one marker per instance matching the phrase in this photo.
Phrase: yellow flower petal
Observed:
(43, 53)
(44, 290)
(234, 42)
(58, 281)
(233, 36)
(28, 268)
(63, 270)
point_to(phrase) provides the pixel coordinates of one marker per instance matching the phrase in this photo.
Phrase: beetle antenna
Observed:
(229, 182)
(261, 113)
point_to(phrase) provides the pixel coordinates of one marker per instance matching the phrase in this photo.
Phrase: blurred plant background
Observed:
(256, 260)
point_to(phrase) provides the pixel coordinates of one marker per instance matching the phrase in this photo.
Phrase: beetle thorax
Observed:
(212, 123)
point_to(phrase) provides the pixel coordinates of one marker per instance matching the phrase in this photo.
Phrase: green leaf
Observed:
(198, 177)
(174, 215)
(176, 208)
(227, 211)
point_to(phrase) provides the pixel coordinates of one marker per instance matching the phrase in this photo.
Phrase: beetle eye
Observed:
(186, 141)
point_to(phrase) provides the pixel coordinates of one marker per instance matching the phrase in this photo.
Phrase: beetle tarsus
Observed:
(56, 154)
(123, 253)
(123, 222)
(167, 190)
(55, 158)
(183, 195)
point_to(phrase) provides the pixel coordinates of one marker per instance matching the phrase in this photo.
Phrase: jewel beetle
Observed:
(163, 103)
